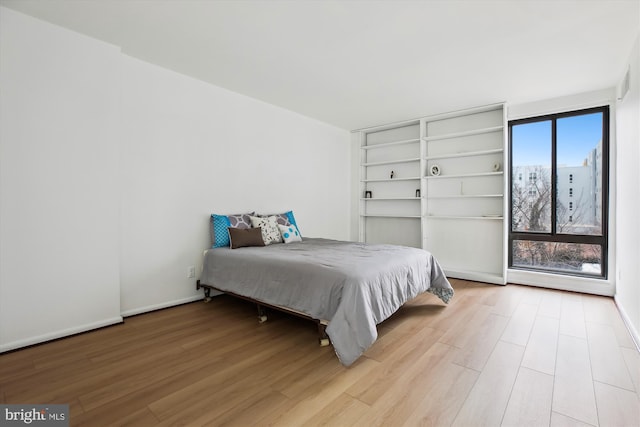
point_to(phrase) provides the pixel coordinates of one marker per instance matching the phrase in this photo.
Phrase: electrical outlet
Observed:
(191, 272)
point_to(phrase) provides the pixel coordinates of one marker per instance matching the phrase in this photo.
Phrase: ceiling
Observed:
(359, 63)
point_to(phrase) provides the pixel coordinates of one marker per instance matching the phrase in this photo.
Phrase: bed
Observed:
(347, 288)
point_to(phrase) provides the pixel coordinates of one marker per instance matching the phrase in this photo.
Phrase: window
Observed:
(565, 156)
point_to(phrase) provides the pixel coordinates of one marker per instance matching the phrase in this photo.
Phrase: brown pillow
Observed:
(241, 237)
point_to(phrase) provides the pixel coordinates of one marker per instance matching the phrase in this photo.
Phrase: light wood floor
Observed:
(512, 356)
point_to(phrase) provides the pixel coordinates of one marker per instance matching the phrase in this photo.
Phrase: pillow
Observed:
(290, 233)
(286, 218)
(219, 224)
(241, 237)
(270, 231)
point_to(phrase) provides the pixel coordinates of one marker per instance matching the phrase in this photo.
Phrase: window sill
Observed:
(587, 285)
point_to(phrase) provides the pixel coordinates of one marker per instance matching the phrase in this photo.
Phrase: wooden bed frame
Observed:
(323, 338)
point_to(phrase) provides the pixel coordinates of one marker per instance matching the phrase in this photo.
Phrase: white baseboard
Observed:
(88, 327)
(154, 307)
(627, 321)
(59, 334)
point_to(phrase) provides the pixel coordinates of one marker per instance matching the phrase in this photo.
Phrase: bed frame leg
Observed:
(323, 338)
(207, 291)
(262, 313)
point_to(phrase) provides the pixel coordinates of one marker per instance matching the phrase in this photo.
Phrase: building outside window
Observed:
(560, 226)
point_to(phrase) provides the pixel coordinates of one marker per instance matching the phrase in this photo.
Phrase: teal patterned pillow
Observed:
(219, 224)
(289, 233)
(292, 219)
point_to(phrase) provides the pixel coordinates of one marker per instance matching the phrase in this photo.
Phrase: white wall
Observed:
(628, 200)
(191, 149)
(110, 168)
(59, 202)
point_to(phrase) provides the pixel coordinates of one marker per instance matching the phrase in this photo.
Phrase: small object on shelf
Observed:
(391, 175)
(497, 166)
(435, 170)
(461, 188)
(368, 194)
(418, 192)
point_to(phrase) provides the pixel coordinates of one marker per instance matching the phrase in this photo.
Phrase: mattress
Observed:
(354, 286)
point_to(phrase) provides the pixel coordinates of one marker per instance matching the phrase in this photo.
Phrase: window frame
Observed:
(553, 236)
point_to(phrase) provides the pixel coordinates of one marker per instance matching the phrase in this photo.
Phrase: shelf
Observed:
(465, 112)
(465, 133)
(391, 162)
(380, 128)
(466, 154)
(372, 199)
(390, 144)
(465, 217)
(390, 216)
(413, 178)
(465, 196)
(464, 175)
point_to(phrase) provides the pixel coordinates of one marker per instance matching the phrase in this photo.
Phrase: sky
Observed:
(576, 137)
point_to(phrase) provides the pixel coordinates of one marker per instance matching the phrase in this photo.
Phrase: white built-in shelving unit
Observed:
(459, 214)
(393, 213)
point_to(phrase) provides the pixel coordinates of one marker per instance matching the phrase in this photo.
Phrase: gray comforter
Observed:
(354, 286)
